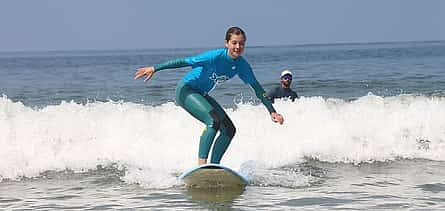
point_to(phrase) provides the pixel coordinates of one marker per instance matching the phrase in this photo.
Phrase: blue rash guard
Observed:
(208, 70)
(215, 67)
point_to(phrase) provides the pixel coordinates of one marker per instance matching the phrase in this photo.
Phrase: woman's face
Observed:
(235, 46)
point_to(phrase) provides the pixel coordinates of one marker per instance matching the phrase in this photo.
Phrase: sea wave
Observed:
(156, 143)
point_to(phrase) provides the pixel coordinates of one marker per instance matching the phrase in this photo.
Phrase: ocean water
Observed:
(368, 133)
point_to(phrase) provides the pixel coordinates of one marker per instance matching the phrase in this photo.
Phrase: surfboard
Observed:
(213, 176)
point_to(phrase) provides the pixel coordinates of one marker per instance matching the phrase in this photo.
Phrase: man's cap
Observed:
(286, 72)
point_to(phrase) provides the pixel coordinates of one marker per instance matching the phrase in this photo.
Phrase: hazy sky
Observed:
(136, 24)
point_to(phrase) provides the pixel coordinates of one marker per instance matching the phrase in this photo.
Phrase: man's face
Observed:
(286, 80)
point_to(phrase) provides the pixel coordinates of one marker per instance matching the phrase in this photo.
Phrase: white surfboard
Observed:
(213, 176)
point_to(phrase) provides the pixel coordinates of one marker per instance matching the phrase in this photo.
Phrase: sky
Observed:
(45, 25)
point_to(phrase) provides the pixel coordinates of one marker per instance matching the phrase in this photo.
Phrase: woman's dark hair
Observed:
(235, 30)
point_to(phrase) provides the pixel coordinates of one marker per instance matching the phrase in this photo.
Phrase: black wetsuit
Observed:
(280, 92)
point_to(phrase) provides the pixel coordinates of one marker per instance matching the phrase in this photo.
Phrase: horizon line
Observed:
(210, 47)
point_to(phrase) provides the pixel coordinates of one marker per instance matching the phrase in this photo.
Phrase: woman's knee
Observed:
(214, 120)
(230, 129)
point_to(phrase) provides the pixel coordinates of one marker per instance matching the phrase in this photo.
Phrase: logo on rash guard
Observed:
(218, 78)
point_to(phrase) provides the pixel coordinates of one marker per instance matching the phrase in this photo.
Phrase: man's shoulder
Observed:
(294, 93)
(274, 92)
(276, 89)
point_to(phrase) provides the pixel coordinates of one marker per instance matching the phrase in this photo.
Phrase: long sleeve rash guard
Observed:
(214, 67)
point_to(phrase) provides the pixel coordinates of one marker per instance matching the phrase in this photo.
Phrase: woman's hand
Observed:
(276, 117)
(145, 71)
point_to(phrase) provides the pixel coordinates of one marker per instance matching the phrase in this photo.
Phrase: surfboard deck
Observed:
(213, 176)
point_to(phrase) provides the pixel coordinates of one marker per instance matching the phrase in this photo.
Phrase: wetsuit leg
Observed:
(227, 132)
(199, 107)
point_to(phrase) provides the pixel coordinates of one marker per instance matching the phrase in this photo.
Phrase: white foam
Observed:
(156, 143)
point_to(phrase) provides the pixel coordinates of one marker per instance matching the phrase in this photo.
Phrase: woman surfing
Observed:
(210, 69)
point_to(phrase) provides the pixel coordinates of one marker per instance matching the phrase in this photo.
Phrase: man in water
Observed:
(284, 89)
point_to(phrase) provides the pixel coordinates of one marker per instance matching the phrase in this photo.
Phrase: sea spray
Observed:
(154, 144)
